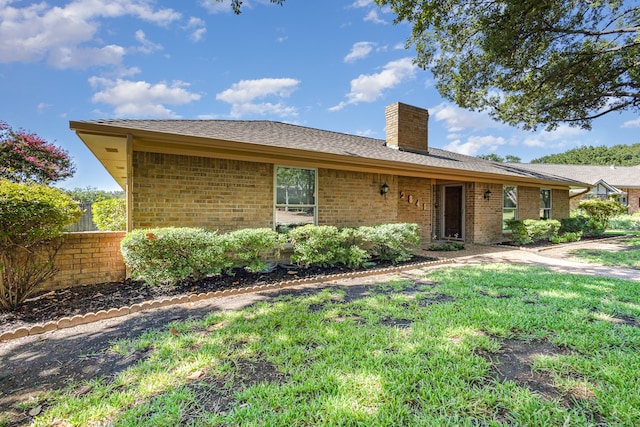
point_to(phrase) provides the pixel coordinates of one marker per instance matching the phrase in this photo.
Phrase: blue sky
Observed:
(327, 64)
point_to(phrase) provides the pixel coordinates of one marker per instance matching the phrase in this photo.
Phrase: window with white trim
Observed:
(545, 204)
(509, 204)
(295, 197)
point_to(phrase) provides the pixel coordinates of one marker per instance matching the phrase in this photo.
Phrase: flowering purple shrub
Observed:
(26, 157)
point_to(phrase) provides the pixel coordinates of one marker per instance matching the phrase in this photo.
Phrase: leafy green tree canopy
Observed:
(529, 62)
(618, 155)
(91, 194)
(496, 158)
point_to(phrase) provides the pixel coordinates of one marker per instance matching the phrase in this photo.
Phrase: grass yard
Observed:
(469, 346)
(627, 256)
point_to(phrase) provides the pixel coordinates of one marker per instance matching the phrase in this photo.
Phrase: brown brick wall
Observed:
(414, 204)
(407, 126)
(633, 199)
(86, 258)
(529, 202)
(560, 204)
(187, 191)
(483, 218)
(352, 199)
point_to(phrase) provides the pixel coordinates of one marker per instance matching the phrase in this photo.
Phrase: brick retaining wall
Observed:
(89, 257)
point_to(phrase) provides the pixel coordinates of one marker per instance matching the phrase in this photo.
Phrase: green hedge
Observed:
(533, 230)
(165, 255)
(588, 226)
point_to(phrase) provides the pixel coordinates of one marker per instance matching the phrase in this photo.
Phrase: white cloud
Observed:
(59, 34)
(197, 27)
(243, 95)
(359, 50)
(372, 16)
(361, 3)
(369, 87)
(563, 135)
(141, 99)
(146, 45)
(631, 123)
(457, 119)
(475, 144)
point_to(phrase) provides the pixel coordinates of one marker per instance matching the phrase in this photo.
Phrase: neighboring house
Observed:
(226, 175)
(621, 182)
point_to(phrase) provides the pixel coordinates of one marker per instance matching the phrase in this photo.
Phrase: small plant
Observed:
(450, 246)
(110, 214)
(567, 238)
(625, 222)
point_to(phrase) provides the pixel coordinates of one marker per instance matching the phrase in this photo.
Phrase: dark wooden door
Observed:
(453, 212)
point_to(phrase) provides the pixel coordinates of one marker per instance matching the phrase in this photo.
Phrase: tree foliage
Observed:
(529, 62)
(27, 157)
(236, 5)
(509, 158)
(110, 214)
(618, 155)
(91, 194)
(32, 218)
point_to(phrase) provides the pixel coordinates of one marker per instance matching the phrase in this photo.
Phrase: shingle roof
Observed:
(618, 176)
(277, 134)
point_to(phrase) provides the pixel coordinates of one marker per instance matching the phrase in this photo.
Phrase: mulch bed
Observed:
(53, 305)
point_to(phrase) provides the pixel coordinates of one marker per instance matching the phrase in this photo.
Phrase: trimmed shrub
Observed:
(391, 242)
(602, 210)
(533, 230)
(327, 246)
(32, 220)
(249, 247)
(166, 255)
(110, 214)
(585, 225)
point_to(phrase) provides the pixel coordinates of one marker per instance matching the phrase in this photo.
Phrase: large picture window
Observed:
(509, 204)
(295, 198)
(545, 204)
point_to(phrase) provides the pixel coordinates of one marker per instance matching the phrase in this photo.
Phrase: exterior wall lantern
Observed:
(487, 194)
(384, 189)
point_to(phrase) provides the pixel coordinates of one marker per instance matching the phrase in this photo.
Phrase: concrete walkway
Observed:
(555, 258)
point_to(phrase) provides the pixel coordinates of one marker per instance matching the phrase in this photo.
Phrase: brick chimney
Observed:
(407, 127)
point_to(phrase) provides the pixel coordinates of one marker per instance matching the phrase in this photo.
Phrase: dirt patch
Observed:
(514, 363)
(217, 395)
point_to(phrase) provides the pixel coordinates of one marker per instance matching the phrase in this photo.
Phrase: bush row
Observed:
(555, 231)
(171, 254)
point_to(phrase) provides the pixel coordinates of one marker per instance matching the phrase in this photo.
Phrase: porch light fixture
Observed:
(487, 194)
(384, 189)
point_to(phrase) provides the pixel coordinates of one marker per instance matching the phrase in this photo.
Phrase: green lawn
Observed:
(469, 346)
(630, 257)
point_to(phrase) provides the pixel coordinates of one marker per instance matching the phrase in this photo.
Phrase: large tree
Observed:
(529, 62)
(618, 155)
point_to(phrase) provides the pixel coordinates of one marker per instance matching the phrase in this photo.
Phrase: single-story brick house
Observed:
(623, 182)
(226, 175)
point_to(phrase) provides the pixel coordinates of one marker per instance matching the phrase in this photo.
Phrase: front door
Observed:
(453, 223)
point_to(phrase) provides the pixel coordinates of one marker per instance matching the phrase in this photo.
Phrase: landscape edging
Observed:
(83, 319)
